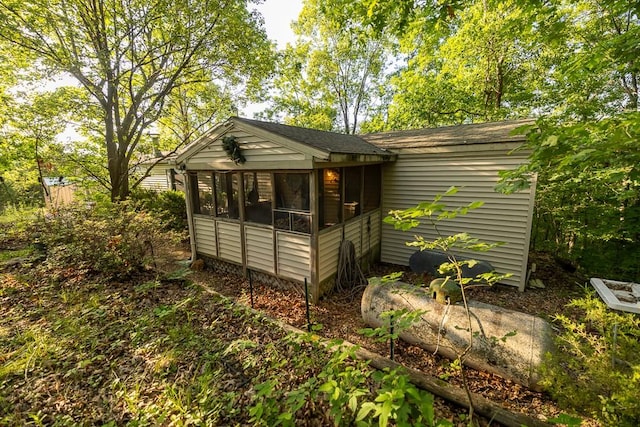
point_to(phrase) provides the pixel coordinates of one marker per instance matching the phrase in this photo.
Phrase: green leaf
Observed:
(476, 204)
(451, 191)
(551, 141)
(365, 410)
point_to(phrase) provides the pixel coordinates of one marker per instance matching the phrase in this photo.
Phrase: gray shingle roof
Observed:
(481, 133)
(326, 141)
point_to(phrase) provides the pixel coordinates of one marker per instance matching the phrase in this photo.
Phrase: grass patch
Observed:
(17, 253)
(17, 215)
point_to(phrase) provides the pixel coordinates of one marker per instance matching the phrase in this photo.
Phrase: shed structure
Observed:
(429, 161)
(277, 201)
(58, 191)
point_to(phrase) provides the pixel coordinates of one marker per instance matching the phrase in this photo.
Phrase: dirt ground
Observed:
(340, 317)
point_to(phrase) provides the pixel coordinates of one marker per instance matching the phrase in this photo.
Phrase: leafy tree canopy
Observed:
(131, 57)
(330, 78)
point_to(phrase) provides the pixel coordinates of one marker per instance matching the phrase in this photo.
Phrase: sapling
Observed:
(453, 271)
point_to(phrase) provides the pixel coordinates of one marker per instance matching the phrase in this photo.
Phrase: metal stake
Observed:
(391, 349)
(306, 301)
(250, 288)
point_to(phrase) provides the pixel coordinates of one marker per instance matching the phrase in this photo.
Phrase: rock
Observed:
(536, 283)
(197, 265)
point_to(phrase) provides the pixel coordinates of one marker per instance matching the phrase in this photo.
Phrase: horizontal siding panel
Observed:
(253, 148)
(415, 178)
(294, 256)
(371, 232)
(155, 182)
(259, 249)
(205, 235)
(352, 232)
(229, 242)
(328, 248)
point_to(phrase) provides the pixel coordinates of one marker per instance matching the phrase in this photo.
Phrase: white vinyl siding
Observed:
(294, 256)
(229, 241)
(356, 230)
(371, 236)
(328, 249)
(415, 178)
(158, 179)
(205, 235)
(254, 149)
(259, 248)
(352, 231)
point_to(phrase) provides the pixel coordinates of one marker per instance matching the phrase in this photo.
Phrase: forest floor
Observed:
(155, 351)
(340, 317)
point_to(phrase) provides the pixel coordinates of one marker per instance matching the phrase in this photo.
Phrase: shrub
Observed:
(19, 196)
(169, 206)
(113, 241)
(16, 227)
(597, 366)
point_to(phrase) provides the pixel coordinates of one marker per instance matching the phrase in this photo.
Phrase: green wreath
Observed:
(231, 147)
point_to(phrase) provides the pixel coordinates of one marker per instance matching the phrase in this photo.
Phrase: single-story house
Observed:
(277, 201)
(429, 161)
(160, 173)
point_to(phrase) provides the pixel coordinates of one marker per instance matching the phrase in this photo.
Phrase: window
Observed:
(329, 208)
(257, 195)
(352, 186)
(292, 202)
(202, 190)
(226, 185)
(292, 191)
(372, 187)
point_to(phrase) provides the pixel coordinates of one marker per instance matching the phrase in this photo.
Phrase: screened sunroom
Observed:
(277, 201)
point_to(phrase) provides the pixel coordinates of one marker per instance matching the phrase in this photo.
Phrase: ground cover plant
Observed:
(163, 352)
(151, 348)
(598, 366)
(148, 347)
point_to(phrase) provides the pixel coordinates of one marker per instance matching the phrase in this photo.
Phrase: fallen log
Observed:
(507, 343)
(451, 393)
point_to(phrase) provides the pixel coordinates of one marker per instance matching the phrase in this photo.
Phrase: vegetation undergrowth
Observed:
(84, 340)
(169, 206)
(162, 352)
(112, 241)
(597, 365)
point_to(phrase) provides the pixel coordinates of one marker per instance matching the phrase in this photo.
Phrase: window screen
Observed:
(257, 195)
(352, 186)
(372, 187)
(226, 184)
(203, 203)
(330, 197)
